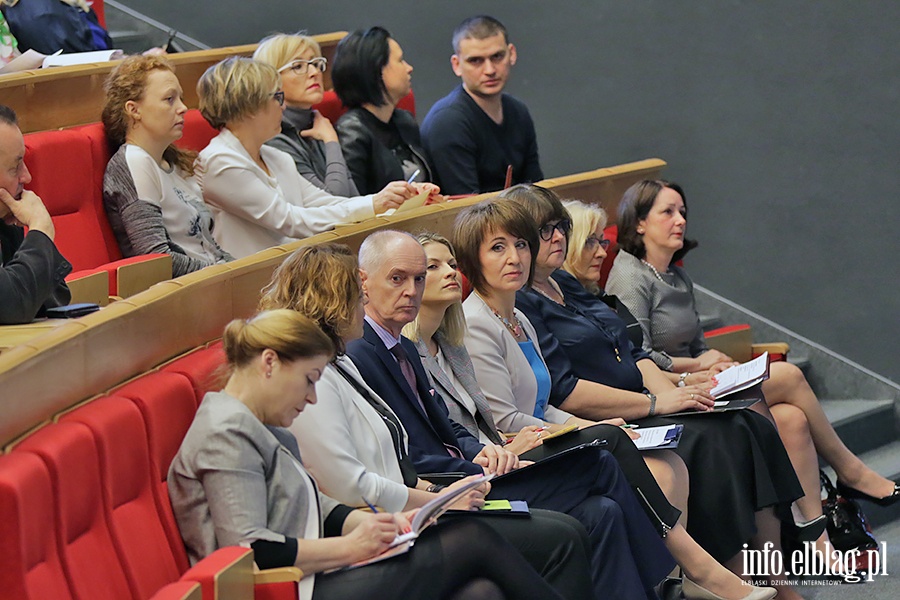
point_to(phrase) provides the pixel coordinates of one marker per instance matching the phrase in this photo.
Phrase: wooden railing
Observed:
(82, 358)
(60, 97)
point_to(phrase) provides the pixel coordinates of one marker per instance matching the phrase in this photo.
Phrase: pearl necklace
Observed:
(555, 288)
(655, 272)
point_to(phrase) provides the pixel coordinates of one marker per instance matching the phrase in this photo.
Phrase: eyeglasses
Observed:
(563, 226)
(279, 98)
(593, 241)
(301, 67)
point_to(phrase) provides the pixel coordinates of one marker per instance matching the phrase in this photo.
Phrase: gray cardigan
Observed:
(461, 365)
(233, 483)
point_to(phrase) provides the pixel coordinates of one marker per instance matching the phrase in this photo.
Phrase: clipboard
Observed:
(670, 441)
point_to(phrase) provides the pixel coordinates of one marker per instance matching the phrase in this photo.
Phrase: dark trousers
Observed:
(628, 557)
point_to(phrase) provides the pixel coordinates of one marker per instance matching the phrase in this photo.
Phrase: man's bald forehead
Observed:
(377, 249)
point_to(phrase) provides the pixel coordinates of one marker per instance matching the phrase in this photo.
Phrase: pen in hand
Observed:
(370, 505)
(413, 176)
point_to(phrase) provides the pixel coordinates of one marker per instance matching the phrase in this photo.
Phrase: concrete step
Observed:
(863, 425)
(886, 461)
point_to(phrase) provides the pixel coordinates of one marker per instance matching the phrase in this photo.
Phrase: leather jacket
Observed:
(372, 164)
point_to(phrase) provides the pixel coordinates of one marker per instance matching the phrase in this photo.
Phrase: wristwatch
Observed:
(681, 379)
(652, 398)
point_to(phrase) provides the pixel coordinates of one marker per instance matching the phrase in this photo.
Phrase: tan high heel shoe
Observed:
(692, 591)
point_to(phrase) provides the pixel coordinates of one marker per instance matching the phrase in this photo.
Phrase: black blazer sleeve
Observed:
(33, 275)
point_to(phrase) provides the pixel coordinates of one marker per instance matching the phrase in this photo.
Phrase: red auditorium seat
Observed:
(98, 7)
(29, 550)
(612, 234)
(201, 367)
(196, 133)
(331, 105)
(167, 404)
(88, 555)
(180, 590)
(131, 509)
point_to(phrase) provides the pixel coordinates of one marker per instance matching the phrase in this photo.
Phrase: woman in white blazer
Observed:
(259, 198)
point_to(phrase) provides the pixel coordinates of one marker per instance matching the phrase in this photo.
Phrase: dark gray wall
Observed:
(781, 119)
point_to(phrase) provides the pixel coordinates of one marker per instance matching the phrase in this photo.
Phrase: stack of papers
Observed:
(659, 438)
(743, 376)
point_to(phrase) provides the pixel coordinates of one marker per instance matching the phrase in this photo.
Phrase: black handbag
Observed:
(847, 525)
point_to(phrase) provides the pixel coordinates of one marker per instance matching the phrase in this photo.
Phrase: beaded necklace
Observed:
(514, 326)
(655, 272)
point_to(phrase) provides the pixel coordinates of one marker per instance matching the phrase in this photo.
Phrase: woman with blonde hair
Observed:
(260, 199)
(306, 134)
(152, 199)
(238, 479)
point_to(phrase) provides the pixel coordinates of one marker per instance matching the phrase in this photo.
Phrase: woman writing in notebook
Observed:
(238, 479)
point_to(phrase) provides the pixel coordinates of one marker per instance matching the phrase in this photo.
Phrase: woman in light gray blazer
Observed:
(238, 479)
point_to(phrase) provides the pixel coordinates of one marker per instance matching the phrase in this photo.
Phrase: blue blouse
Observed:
(541, 374)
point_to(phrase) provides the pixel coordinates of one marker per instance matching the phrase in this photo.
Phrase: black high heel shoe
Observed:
(808, 531)
(849, 492)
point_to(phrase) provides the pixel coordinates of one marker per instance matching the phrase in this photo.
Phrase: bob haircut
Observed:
(127, 83)
(290, 334)
(322, 282)
(542, 204)
(634, 208)
(235, 88)
(279, 48)
(479, 27)
(358, 61)
(475, 223)
(453, 324)
(586, 218)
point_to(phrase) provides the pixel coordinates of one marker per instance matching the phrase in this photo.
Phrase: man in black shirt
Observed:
(475, 134)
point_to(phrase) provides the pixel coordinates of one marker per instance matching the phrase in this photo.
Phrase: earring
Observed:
(641, 231)
(269, 374)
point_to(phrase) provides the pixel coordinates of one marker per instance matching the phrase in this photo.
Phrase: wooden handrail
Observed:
(85, 357)
(60, 97)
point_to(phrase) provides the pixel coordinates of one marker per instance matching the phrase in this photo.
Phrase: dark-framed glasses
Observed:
(301, 66)
(546, 230)
(593, 241)
(279, 97)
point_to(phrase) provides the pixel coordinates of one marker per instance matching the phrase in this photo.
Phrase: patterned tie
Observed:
(407, 370)
(410, 376)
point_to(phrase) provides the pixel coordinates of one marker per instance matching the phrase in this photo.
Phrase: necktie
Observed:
(407, 370)
(410, 376)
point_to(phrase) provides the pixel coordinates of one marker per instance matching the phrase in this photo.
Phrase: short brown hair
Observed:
(472, 226)
(127, 82)
(541, 203)
(291, 335)
(235, 88)
(634, 208)
(322, 282)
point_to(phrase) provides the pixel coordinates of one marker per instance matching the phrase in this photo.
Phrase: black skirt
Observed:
(737, 466)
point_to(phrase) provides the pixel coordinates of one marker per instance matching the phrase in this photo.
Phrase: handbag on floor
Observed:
(847, 525)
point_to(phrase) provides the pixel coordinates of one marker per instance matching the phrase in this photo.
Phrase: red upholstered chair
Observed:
(332, 107)
(29, 549)
(131, 509)
(197, 132)
(180, 590)
(201, 368)
(98, 7)
(89, 557)
(167, 403)
(612, 234)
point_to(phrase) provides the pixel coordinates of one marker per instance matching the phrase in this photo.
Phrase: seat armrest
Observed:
(226, 574)
(777, 350)
(277, 575)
